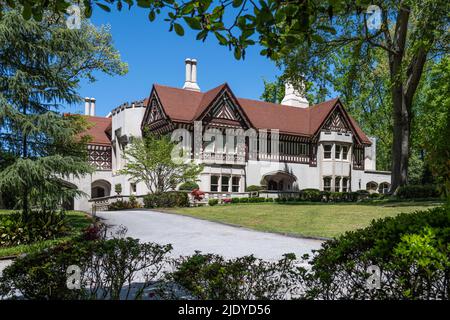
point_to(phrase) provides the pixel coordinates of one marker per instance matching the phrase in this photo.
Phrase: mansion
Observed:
(287, 147)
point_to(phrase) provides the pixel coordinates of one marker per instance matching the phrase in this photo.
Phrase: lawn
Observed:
(314, 220)
(77, 220)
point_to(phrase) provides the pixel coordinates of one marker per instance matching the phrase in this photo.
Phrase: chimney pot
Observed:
(87, 107)
(293, 98)
(92, 107)
(191, 75)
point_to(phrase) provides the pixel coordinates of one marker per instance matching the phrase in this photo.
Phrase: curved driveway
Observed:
(188, 234)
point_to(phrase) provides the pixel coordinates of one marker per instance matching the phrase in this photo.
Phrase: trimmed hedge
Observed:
(253, 188)
(417, 191)
(166, 199)
(213, 202)
(188, 186)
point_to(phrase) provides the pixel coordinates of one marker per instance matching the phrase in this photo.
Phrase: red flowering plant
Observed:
(227, 200)
(197, 194)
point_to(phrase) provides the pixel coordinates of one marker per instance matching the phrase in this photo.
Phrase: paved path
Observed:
(188, 234)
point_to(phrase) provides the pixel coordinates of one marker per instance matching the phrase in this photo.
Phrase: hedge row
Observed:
(166, 200)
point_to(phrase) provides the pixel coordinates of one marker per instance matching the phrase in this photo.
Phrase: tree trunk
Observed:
(401, 135)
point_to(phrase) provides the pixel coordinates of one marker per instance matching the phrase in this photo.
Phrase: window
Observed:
(214, 183)
(337, 151)
(225, 184)
(327, 151)
(327, 184)
(371, 186)
(344, 184)
(337, 184)
(344, 152)
(235, 184)
(383, 188)
(133, 187)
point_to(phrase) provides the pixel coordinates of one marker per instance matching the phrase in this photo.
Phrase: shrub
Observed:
(235, 200)
(336, 196)
(417, 191)
(118, 188)
(254, 188)
(211, 276)
(123, 204)
(411, 250)
(188, 186)
(108, 267)
(269, 200)
(38, 225)
(257, 200)
(213, 202)
(166, 199)
(244, 200)
(311, 195)
(197, 194)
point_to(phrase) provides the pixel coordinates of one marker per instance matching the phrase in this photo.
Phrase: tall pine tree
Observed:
(41, 65)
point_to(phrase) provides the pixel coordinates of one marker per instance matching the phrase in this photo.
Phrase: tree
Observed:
(41, 66)
(149, 160)
(409, 32)
(433, 121)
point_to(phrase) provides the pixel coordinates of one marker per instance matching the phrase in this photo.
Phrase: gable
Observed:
(155, 112)
(224, 110)
(336, 122)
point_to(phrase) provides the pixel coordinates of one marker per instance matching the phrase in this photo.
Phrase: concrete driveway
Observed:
(188, 234)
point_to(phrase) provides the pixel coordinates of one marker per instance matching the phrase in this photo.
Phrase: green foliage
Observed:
(17, 229)
(311, 195)
(417, 192)
(273, 91)
(244, 200)
(152, 160)
(118, 188)
(41, 67)
(168, 199)
(124, 204)
(209, 276)
(189, 186)
(108, 267)
(403, 247)
(254, 188)
(235, 200)
(256, 199)
(213, 202)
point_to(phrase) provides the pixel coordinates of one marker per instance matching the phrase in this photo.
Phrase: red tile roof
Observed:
(186, 106)
(99, 129)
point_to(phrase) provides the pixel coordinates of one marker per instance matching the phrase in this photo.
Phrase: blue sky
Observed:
(155, 55)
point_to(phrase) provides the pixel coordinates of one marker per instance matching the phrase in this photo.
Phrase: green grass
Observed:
(315, 220)
(77, 220)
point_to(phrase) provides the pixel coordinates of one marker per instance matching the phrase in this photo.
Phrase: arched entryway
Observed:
(100, 189)
(279, 181)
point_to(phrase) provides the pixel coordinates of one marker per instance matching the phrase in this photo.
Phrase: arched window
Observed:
(371, 186)
(384, 188)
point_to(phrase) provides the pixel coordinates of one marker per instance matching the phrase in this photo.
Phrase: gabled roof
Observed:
(99, 130)
(186, 106)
